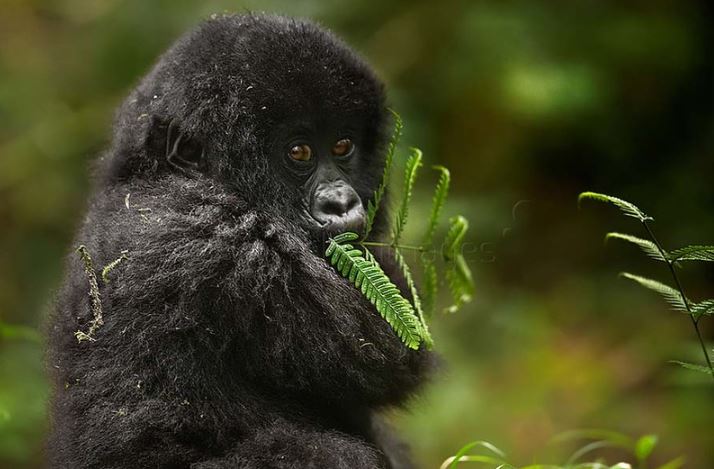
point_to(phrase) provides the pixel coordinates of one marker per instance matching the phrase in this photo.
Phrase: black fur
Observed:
(228, 340)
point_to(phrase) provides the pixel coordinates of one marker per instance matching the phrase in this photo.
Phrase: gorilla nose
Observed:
(338, 206)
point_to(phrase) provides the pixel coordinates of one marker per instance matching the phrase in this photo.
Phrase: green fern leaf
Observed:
(454, 240)
(438, 200)
(430, 287)
(410, 174)
(458, 274)
(365, 273)
(648, 247)
(374, 204)
(629, 209)
(693, 253)
(406, 272)
(460, 282)
(672, 296)
(703, 308)
(692, 366)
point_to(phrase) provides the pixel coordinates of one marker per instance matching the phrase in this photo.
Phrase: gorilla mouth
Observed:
(335, 225)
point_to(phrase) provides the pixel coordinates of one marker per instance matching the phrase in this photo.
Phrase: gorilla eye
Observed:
(343, 147)
(301, 152)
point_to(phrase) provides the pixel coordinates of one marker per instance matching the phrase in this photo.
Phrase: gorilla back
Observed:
(225, 338)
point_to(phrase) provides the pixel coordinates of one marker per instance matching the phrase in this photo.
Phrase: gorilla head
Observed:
(269, 104)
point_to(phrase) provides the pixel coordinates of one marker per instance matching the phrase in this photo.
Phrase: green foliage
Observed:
(639, 449)
(409, 320)
(438, 201)
(458, 274)
(647, 246)
(692, 366)
(430, 287)
(627, 208)
(374, 204)
(410, 174)
(15, 332)
(693, 253)
(652, 247)
(366, 274)
(672, 296)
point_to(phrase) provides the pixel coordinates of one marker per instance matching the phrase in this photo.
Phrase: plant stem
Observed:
(695, 322)
(395, 246)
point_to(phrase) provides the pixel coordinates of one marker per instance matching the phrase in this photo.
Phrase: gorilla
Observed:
(224, 339)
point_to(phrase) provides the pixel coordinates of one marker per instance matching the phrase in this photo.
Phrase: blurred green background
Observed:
(528, 103)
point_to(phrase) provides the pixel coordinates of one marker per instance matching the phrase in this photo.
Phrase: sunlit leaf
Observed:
(647, 246)
(692, 366)
(644, 447)
(703, 308)
(629, 209)
(693, 253)
(672, 296)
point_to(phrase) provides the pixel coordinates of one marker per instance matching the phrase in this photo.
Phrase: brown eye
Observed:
(343, 147)
(301, 152)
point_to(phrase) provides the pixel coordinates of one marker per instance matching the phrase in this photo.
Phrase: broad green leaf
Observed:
(647, 246)
(693, 253)
(410, 174)
(673, 297)
(644, 447)
(629, 209)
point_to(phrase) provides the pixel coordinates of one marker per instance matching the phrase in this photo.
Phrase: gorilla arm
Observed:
(218, 307)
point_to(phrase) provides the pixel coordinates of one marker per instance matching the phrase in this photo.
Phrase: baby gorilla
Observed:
(226, 340)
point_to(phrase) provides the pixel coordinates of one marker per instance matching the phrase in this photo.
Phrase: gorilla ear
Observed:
(183, 152)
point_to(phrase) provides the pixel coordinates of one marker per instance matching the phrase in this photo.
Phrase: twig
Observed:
(96, 301)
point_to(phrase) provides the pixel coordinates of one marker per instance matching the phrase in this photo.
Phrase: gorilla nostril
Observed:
(335, 204)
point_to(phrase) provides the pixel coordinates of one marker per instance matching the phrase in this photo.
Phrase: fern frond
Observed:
(458, 274)
(365, 273)
(672, 296)
(629, 209)
(430, 287)
(410, 174)
(647, 246)
(438, 200)
(454, 240)
(693, 253)
(406, 272)
(373, 205)
(692, 366)
(460, 282)
(703, 308)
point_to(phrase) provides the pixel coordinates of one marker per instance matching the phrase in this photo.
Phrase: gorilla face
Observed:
(322, 162)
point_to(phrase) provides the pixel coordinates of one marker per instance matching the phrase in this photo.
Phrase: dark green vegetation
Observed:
(528, 103)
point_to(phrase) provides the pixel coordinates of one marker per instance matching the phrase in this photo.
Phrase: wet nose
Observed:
(337, 204)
